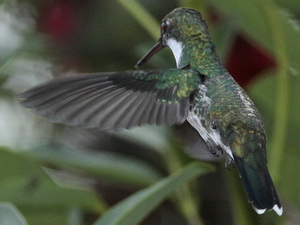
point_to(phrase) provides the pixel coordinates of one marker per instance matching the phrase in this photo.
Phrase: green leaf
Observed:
(132, 210)
(26, 185)
(264, 95)
(154, 137)
(112, 167)
(10, 215)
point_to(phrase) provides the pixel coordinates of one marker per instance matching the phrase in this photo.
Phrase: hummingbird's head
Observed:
(180, 28)
(184, 25)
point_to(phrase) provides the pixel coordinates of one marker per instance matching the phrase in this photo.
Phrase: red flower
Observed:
(247, 61)
(58, 19)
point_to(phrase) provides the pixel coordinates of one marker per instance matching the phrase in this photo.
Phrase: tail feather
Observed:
(258, 184)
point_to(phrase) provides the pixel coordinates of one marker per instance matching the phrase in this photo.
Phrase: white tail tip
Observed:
(278, 210)
(259, 211)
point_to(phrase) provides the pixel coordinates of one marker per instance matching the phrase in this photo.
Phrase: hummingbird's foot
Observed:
(229, 162)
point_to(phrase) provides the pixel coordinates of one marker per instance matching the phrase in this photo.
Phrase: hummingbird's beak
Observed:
(156, 48)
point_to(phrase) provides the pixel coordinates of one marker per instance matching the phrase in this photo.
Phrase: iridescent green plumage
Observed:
(200, 91)
(186, 82)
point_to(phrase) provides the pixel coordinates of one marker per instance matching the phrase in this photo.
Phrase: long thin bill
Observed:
(156, 48)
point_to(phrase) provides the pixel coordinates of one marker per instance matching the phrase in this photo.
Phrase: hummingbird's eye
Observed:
(164, 26)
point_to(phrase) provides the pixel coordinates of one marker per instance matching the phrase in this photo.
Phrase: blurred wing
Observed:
(108, 101)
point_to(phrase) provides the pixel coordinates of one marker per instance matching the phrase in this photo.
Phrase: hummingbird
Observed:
(200, 90)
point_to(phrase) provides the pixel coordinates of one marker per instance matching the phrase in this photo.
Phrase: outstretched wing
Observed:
(112, 101)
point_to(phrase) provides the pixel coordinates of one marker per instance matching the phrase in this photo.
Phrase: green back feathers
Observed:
(171, 85)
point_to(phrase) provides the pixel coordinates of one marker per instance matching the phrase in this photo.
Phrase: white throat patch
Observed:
(176, 48)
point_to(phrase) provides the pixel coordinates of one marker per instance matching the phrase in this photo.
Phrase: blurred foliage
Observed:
(10, 215)
(135, 208)
(51, 174)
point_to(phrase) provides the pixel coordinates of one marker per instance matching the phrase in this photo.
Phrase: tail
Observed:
(257, 183)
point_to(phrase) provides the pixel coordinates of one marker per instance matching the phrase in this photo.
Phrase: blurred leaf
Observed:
(147, 21)
(292, 5)
(199, 5)
(110, 166)
(154, 137)
(132, 210)
(30, 188)
(223, 37)
(196, 4)
(49, 216)
(36, 191)
(264, 94)
(12, 27)
(251, 18)
(10, 215)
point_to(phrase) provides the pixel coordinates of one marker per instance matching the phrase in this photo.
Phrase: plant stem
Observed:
(185, 197)
(188, 204)
(142, 16)
(281, 113)
(242, 212)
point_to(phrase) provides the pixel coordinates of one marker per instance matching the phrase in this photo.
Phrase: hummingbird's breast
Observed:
(200, 118)
(219, 103)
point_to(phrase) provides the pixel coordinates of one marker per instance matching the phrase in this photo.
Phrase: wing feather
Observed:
(108, 101)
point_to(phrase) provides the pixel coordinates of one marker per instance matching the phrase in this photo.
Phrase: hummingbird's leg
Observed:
(228, 162)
